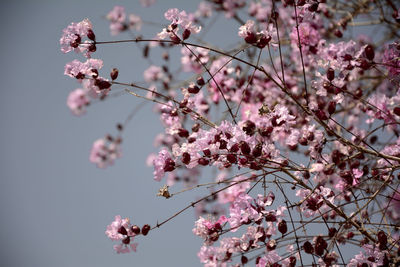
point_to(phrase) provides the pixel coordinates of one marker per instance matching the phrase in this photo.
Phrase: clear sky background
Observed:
(55, 204)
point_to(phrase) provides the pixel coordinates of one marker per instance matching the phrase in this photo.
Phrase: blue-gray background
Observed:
(55, 204)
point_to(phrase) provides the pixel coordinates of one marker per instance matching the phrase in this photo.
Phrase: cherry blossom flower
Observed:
(73, 35)
(178, 19)
(77, 101)
(373, 257)
(117, 17)
(163, 163)
(105, 151)
(153, 73)
(147, 3)
(204, 10)
(391, 58)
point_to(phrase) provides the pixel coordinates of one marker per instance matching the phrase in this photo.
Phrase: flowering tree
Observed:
(299, 120)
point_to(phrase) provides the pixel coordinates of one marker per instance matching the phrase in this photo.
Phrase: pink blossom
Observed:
(112, 229)
(77, 101)
(268, 259)
(231, 6)
(204, 10)
(73, 36)
(391, 58)
(190, 63)
(135, 22)
(163, 163)
(147, 3)
(80, 70)
(117, 17)
(373, 257)
(153, 73)
(229, 195)
(104, 152)
(393, 205)
(181, 19)
(308, 35)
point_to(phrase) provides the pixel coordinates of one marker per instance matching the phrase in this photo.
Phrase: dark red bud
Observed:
(282, 227)
(200, 81)
(249, 127)
(308, 247)
(145, 229)
(245, 148)
(203, 161)
(114, 74)
(301, 2)
(330, 74)
(122, 231)
(185, 34)
(251, 38)
(234, 148)
(257, 151)
(183, 133)
(185, 158)
(321, 115)
(396, 111)
(313, 7)
(193, 89)
(338, 33)
(91, 35)
(135, 229)
(92, 48)
(231, 158)
(126, 240)
(169, 165)
(264, 40)
(350, 235)
(369, 52)
(332, 232)
(332, 107)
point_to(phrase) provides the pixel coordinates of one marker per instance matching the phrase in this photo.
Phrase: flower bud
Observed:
(114, 74)
(330, 74)
(282, 227)
(308, 248)
(332, 107)
(245, 148)
(203, 161)
(396, 111)
(185, 158)
(145, 229)
(193, 89)
(135, 229)
(126, 240)
(369, 52)
(185, 34)
(91, 35)
(313, 7)
(122, 231)
(249, 127)
(200, 81)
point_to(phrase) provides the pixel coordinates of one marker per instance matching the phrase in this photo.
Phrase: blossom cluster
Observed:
(298, 123)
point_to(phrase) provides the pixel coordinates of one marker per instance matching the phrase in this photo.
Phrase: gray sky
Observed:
(55, 204)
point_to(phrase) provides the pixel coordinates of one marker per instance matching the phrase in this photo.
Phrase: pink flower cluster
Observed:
(72, 38)
(179, 20)
(119, 23)
(121, 229)
(105, 151)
